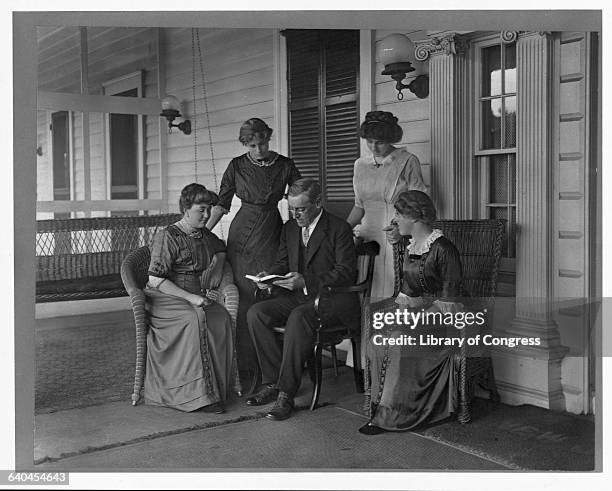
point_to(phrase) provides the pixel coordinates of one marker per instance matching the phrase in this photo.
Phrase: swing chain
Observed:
(195, 112)
(196, 32)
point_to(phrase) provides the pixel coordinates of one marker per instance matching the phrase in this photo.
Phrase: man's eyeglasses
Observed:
(301, 209)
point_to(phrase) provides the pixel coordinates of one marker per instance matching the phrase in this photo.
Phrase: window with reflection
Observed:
(496, 137)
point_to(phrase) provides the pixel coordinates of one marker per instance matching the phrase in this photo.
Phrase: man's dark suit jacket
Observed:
(330, 261)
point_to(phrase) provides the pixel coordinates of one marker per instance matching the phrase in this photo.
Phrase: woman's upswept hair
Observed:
(417, 205)
(381, 126)
(195, 193)
(254, 128)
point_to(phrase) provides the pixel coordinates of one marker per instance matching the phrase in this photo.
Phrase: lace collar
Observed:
(263, 163)
(433, 236)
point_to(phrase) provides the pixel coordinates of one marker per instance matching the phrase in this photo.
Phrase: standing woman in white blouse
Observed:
(378, 180)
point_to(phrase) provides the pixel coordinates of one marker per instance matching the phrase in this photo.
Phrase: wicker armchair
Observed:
(134, 274)
(479, 243)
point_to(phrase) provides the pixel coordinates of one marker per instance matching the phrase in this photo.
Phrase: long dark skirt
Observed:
(252, 245)
(189, 353)
(410, 385)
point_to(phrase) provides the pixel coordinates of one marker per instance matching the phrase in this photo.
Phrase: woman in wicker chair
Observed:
(189, 345)
(412, 385)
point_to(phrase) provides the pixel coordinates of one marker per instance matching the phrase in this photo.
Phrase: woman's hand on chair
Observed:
(214, 295)
(392, 231)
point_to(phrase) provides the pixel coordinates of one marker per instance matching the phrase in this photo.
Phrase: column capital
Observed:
(533, 34)
(449, 44)
(508, 37)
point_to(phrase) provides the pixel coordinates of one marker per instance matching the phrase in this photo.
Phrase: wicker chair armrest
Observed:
(138, 300)
(228, 276)
(134, 270)
(230, 292)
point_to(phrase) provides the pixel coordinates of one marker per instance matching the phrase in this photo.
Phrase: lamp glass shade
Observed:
(395, 48)
(170, 102)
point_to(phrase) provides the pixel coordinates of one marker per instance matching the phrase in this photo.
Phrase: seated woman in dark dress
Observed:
(189, 344)
(412, 385)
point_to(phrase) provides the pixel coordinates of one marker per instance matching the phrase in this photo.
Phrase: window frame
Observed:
(482, 157)
(130, 81)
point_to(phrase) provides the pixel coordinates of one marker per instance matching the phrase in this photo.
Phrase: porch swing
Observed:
(80, 258)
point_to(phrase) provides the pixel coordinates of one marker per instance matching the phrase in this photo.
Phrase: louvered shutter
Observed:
(341, 150)
(341, 114)
(304, 79)
(305, 130)
(323, 83)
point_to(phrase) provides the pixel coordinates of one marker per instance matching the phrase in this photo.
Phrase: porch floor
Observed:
(85, 421)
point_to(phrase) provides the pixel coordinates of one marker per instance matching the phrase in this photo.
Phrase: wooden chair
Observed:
(328, 335)
(134, 274)
(479, 243)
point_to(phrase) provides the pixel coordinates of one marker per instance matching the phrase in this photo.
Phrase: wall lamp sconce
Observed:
(396, 53)
(171, 110)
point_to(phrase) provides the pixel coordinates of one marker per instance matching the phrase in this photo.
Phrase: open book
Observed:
(265, 279)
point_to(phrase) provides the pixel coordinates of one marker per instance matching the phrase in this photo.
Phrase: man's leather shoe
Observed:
(264, 396)
(282, 409)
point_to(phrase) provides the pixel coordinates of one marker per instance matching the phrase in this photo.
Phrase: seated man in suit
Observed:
(316, 250)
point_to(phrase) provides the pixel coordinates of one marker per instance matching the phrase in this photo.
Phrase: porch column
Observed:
(533, 374)
(449, 98)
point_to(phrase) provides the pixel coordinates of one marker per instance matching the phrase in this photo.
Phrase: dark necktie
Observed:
(305, 236)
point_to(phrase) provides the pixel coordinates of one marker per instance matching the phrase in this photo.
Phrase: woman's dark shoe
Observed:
(216, 408)
(282, 409)
(370, 429)
(264, 396)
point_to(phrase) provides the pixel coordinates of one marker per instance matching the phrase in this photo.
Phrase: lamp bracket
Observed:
(419, 86)
(171, 115)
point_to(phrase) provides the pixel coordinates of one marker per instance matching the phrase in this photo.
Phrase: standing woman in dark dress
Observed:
(259, 178)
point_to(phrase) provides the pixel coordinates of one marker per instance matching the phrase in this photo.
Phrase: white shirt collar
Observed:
(313, 224)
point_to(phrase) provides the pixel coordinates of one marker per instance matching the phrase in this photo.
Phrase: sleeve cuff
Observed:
(155, 281)
(157, 275)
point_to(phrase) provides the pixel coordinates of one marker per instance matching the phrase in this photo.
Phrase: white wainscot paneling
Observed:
(571, 98)
(570, 287)
(571, 58)
(571, 176)
(571, 136)
(571, 214)
(571, 254)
